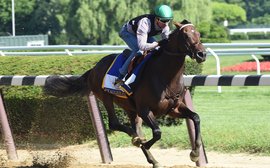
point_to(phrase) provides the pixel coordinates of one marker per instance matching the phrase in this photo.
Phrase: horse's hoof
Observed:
(194, 156)
(143, 140)
(136, 141)
(157, 165)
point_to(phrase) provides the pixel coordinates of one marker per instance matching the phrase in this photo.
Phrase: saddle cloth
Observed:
(125, 89)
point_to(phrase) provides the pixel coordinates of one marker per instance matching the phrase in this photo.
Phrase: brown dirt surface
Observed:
(83, 156)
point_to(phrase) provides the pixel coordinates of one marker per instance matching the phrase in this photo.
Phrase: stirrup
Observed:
(118, 82)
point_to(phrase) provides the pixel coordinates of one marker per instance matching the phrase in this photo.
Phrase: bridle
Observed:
(185, 25)
(188, 46)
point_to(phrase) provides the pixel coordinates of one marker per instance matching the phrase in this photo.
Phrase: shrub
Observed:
(239, 36)
(46, 119)
(256, 35)
(212, 33)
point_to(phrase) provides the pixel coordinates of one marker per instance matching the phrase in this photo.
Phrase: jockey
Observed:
(138, 34)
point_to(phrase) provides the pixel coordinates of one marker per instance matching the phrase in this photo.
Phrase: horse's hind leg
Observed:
(136, 124)
(114, 123)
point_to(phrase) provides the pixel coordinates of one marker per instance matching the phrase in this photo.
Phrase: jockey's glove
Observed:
(163, 42)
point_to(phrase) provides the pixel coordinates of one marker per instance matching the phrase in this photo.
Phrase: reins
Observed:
(173, 53)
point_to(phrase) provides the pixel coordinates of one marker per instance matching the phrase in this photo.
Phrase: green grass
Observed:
(235, 120)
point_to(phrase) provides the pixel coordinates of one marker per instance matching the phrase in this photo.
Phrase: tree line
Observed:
(99, 21)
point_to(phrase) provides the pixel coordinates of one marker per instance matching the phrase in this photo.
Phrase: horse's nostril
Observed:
(200, 55)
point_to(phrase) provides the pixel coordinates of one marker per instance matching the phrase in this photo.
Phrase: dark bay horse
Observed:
(160, 91)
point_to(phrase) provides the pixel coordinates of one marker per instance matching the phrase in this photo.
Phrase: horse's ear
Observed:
(185, 22)
(177, 24)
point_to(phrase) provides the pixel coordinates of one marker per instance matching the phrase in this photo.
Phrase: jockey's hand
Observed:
(163, 42)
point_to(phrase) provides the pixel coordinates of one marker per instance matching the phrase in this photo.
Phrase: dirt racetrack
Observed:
(82, 156)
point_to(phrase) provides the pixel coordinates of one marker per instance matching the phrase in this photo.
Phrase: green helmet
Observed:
(163, 12)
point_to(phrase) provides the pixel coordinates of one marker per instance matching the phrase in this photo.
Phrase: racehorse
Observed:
(160, 92)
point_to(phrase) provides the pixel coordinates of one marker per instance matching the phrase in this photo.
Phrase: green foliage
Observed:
(250, 36)
(262, 20)
(213, 33)
(37, 118)
(234, 14)
(254, 9)
(87, 21)
(257, 8)
(254, 35)
(239, 36)
(191, 67)
(23, 8)
(192, 11)
(98, 22)
(47, 65)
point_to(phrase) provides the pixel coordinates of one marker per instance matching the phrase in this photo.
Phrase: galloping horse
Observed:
(160, 91)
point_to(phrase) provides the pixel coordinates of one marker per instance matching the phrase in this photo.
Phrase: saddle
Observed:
(134, 70)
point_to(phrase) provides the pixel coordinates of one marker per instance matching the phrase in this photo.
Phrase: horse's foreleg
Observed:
(194, 155)
(150, 120)
(150, 158)
(183, 112)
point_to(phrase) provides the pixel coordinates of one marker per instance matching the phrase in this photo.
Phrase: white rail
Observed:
(219, 48)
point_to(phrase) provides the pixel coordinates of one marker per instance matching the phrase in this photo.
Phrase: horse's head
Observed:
(189, 39)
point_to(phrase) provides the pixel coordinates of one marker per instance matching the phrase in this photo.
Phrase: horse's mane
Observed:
(185, 22)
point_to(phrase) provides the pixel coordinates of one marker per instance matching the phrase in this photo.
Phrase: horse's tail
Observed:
(62, 86)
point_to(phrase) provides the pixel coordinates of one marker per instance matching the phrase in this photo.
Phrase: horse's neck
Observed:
(170, 66)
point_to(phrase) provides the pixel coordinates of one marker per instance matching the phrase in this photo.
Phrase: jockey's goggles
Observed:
(164, 20)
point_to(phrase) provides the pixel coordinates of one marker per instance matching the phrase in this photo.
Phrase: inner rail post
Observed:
(6, 131)
(97, 122)
(217, 65)
(257, 63)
